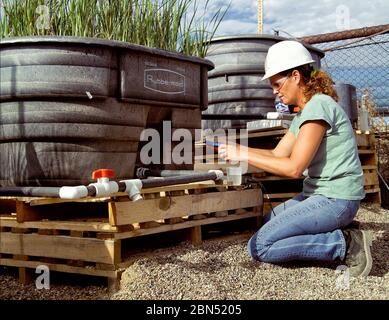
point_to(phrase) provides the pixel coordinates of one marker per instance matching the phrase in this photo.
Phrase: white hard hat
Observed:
(285, 55)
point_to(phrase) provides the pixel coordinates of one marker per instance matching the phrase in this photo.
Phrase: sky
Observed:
(301, 17)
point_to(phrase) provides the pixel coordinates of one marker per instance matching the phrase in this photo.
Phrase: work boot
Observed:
(353, 225)
(358, 257)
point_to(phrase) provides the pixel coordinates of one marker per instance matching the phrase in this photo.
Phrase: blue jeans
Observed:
(304, 228)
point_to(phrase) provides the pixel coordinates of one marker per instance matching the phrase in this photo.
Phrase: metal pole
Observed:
(260, 16)
(343, 35)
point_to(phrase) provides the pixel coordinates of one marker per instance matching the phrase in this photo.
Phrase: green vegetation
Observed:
(173, 25)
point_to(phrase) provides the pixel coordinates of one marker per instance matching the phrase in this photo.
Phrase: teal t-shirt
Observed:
(335, 171)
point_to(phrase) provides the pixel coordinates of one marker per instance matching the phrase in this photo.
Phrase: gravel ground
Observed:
(221, 269)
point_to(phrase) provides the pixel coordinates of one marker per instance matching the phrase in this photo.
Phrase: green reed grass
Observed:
(174, 25)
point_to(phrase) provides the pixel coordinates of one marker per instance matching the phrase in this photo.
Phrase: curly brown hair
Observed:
(316, 81)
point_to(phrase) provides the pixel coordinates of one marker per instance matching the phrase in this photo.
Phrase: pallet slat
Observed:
(370, 178)
(57, 267)
(184, 225)
(63, 247)
(155, 209)
(58, 225)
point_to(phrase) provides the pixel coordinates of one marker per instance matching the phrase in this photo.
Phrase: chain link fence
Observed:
(360, 57)
(362, 62)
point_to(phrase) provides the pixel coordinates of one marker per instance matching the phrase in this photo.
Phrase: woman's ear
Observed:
(296, 76)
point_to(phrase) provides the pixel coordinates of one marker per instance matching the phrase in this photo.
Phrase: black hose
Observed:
(51, 192)
(233, 116)
(146, 183)
(143, 173)
(30, 191)
(168, 181)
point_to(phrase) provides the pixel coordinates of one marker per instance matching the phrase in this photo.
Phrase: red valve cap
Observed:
(103, 173)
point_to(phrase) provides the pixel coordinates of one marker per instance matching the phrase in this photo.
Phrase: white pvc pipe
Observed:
(73, 192)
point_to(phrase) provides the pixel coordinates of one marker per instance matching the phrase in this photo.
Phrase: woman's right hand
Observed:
(232, 152)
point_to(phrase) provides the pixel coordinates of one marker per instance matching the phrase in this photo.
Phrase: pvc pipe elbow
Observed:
(133, 188)
(73, 192)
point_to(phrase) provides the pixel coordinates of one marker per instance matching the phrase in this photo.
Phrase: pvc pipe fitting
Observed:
(104, 187)
(76, 192)
(133, 188)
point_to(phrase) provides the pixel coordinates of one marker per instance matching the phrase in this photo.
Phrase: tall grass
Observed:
(174, 25)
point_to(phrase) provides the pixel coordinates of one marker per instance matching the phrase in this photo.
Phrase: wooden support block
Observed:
(25, 212)
(105, 266)
(197, 191)
(125, 228)
(25, 274)
(149, 224)
(75, 263)
(20, 230)
(48, 232)
(105, 235)
(220, 214)
(77, 233)
(195, 235)
(198, 217)
(259, 217)
(113, 284)
(150, 196)
(116, 251)
(174, 220)
(112, 213)
(365, 140)
(174, 193)
(370, 178)
(240, 211)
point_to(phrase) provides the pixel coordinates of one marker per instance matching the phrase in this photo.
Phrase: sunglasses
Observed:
(277, 85)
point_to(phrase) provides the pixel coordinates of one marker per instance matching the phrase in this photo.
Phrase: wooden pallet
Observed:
(369, 160)
(86, 237)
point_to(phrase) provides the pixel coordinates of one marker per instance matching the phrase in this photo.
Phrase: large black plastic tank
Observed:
(236, 93)
(71, 105)
(347, 95)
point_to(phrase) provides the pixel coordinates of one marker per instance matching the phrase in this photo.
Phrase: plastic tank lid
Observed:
(15, 41)
(264, 37)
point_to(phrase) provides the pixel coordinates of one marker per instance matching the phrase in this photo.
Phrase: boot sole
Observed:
(367, 242)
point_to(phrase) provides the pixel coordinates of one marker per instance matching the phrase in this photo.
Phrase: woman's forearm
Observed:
(267, 161)
(263, 152)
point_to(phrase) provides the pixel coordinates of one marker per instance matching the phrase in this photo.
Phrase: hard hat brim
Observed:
(274, 72)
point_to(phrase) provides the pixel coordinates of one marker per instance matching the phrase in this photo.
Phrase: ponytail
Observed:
(316, 81)
(320, 82)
